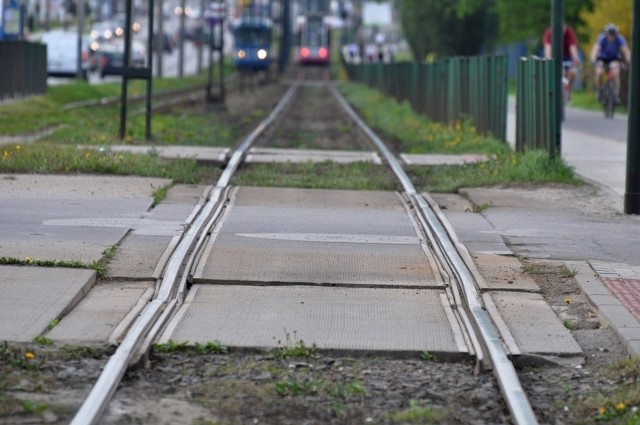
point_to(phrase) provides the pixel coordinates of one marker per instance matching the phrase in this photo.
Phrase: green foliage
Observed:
(171, 346)
(512, 168)
(49, 158)
(40, 112)
(294, 386)
(291, 347)
(160, 194)
(427, 356)
(320, 175)
(414, 133)
(31, 407)
(416, 414)
(526, 20)
(42, 340)
(77, 352)
(429, 26)
(212, 347)
(619, 12)
(53, 323)
(19, 358)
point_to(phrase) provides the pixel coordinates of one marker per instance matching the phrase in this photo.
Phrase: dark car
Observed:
(168, 42)
(112, 55)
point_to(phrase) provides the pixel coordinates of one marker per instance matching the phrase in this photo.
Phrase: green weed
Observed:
(416, 414)
(291, 347)
(212, 347)
(42, 340)
(171, 346)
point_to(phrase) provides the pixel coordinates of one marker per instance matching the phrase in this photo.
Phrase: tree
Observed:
(445, 28)
(526, 20)
(618, 12)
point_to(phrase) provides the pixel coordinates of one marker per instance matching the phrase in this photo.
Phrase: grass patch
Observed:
(77, 352)
(292, 347)
(52, 159)
(100, 266)
(39, 112)
(212, 347)
(416, 414)
(531, 167)
(620, 407)
(171, 346)
(413, 133)
(320, 175)
(586, 99)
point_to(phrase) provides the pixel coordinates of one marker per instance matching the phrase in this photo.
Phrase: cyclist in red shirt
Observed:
(570, 56)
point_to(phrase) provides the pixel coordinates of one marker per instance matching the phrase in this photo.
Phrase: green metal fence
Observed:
(447, 90)
(536, 123)
(23, 69)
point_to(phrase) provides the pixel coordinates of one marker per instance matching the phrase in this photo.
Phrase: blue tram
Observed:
(314, 40)
(252, 43)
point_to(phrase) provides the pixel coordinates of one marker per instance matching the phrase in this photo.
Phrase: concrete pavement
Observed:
(609, 274)
(605, 252)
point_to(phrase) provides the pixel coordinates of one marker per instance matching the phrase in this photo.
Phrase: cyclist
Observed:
(607, 51)
(570, 56)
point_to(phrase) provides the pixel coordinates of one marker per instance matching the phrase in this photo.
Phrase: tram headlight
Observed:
(262, 54)
(241, 54)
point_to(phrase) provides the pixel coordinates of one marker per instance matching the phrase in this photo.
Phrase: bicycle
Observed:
(566, 86)
(608, 96)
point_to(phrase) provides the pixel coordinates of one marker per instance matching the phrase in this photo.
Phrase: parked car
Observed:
(112, 57)
(62, 54)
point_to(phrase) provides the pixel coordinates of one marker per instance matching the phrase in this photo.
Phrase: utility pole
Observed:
(632, 189)
(557, 34)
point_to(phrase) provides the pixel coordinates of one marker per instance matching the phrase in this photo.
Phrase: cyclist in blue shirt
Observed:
(608, 50)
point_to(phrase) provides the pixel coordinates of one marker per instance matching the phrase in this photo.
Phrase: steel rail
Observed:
(108, 381)
(503, 368)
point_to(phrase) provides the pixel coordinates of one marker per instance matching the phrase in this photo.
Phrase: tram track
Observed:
(173, 286)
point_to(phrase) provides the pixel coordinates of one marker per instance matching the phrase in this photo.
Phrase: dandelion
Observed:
(29, 355)
(18, 147)
(6, 154)
(602, 410)
(87, 155)
(620, 406)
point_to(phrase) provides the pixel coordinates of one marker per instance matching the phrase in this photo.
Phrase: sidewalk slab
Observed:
(32, 297)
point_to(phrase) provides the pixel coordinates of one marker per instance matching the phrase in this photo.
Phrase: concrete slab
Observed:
(503, 273)
(199, 153)
(47, 186)
(345, 319)
(436, 159)
(46, 217)
(533, 326)
(34, 296)
(137, 257)
(296, 236)
(313, 155)
(101, 311)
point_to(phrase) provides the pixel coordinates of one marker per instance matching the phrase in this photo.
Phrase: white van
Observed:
(62, 53)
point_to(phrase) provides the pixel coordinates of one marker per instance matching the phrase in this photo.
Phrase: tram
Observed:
(252, 43)
(314, 40)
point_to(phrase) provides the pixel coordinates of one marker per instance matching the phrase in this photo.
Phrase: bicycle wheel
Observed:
(609, 99)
